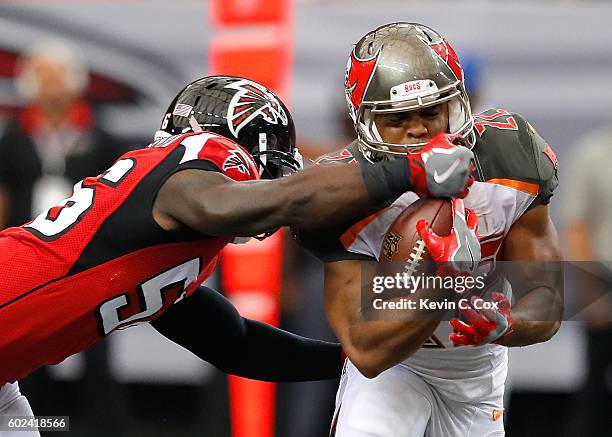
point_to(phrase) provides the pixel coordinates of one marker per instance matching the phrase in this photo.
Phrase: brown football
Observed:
(402, 244)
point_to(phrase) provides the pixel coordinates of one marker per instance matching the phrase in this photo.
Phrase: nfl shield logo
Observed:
(391, 244)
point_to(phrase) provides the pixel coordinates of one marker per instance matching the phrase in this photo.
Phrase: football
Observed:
(402, 244)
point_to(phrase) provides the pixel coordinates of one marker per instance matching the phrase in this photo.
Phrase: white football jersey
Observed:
(515, 170)
(497, 206)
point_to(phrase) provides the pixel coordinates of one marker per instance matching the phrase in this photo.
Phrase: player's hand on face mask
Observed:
(485, 322)
(443, 168)
(458, 252)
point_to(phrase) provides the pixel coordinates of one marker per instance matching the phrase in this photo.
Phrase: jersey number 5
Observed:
(149, 298)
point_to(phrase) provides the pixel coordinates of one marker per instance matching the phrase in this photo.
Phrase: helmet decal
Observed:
(358, 75)
(252, 100)
(182, 109)
(444, 50)
(448, 55)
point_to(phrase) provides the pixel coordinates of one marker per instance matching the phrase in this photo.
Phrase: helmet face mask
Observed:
(243, 111)
(404, 67)
(275, 164)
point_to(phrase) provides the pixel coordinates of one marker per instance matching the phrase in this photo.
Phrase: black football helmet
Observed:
(243, 111)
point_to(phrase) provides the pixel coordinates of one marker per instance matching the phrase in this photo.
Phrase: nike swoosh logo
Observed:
(472, 261)
(441, 178)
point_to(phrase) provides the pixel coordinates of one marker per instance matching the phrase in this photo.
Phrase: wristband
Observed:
(386, 180)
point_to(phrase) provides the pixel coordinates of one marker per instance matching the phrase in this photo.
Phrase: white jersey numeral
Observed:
(149, 295)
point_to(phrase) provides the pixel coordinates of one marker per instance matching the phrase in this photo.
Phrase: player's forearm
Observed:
(308, 199)
(379, 345)
(275, 355)
(264, 353)
(315, 197)
(376, 339)
(209, 326)
(536, 318)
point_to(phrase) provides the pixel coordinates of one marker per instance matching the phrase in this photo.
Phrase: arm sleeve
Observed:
(209, 326)
(326, 245)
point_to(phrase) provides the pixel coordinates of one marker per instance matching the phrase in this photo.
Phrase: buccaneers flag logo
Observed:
(444, 50)
(448, 55)
(252, 100)
(357, 78)
(391, 244)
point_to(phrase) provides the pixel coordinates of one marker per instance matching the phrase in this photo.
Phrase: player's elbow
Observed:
(541, 331)
(549, 329)
(372, 353)
(371, 361)
(370, 372)
(208, 218)
(368, 364)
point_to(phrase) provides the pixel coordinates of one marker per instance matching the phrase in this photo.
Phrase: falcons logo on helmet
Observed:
(251, 101)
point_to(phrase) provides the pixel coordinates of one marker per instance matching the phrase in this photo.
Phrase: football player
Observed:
(404, 86)
(143, 235)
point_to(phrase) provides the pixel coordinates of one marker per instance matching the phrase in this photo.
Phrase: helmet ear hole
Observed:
(456, 115)
(272, 142)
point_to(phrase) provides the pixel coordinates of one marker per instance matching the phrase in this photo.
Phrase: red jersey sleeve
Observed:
(225, 155)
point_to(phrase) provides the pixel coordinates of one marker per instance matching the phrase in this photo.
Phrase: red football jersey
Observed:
(98, 262)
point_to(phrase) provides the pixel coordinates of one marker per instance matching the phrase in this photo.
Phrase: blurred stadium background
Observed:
(549, 60)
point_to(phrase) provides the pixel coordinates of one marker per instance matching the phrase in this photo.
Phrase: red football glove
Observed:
(443, 168)
(483, 325)
(459, 251)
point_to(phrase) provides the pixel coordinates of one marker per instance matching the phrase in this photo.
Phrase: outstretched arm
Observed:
(213, 204)
(209, 326)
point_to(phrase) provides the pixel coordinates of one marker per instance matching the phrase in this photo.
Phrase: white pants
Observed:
(13, 403)
(399, 403)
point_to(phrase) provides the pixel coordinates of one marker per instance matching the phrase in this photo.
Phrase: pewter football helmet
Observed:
(401, 67)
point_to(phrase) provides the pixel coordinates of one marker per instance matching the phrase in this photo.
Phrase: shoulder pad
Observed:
(227, 156)
(348, 155)
(326, 243)
(510, 152)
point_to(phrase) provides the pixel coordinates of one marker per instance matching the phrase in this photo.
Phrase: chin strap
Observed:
(195, 126)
